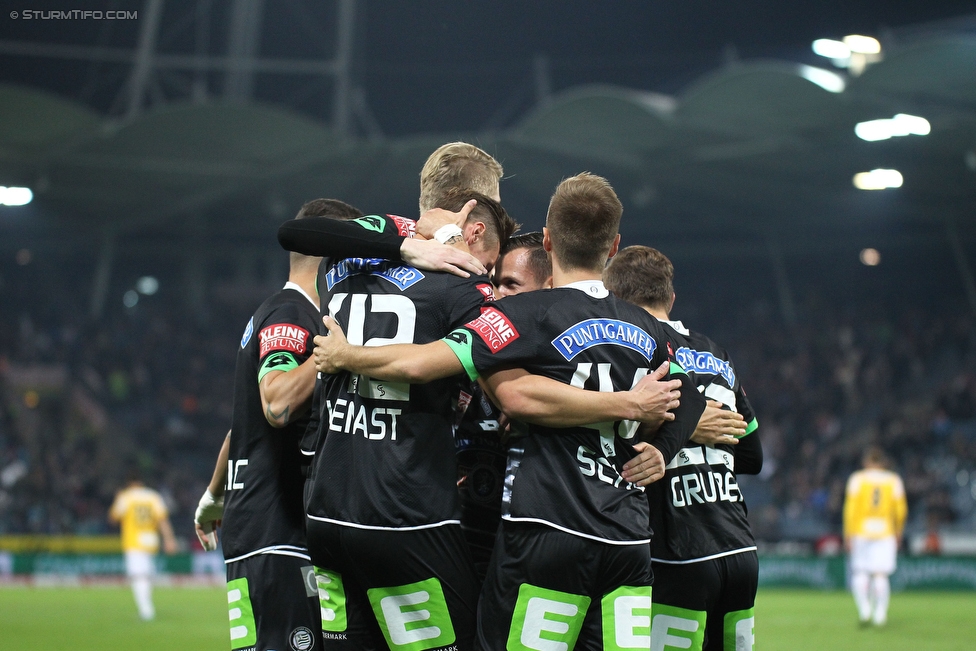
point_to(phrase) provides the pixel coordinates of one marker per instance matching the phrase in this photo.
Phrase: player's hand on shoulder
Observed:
(328, 348)
(431, 255)
(656, 397)
(718, 425)
(432, 220)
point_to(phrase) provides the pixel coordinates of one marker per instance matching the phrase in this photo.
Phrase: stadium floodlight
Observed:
(900, 125)
(829, 81)
(130, 299)
(879, 179)
(147, 285)
(831, 49)
(14, 196)
(862, 44)
(870, 257)
(910, 125)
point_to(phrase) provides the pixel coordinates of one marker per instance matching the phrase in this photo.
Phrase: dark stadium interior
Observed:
(724, 158)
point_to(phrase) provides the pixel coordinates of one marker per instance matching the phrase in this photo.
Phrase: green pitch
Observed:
(99, 618)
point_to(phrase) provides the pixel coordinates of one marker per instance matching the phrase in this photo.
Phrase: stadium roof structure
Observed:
(753, 149)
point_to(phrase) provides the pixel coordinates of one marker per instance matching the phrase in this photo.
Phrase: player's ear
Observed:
(546, 242)
(473, 231)
(614, 247)
(671, 307)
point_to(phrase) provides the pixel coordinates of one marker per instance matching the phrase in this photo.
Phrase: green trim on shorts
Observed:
(739, 628)
(413, 617)
(243, 630)
(459, 341)
(280, 361)
(627, 619)
(332, 600)
(677, 628)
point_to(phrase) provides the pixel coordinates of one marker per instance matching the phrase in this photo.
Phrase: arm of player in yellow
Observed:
(287, 394)
(169, 540)
(411, 363)
(544, 401)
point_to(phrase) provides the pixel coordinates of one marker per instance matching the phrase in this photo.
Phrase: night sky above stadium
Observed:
(445, 65)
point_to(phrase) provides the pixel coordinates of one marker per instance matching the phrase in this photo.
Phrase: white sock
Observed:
(881, 589)
(860, 585)
(142, 590)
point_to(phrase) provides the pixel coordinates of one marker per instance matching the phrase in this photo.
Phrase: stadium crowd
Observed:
(146, 386)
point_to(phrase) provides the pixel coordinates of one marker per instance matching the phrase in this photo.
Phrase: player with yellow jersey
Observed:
(142, 516)
(874, 520)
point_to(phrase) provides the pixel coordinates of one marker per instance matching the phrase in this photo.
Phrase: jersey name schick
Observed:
(703, 362)
(596, 332)
(401, 276)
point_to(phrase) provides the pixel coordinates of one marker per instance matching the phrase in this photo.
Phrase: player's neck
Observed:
(657, 312)
(562, 277)
(305, 278)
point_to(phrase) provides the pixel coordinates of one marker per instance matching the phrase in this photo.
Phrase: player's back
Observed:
(569, 478)
(874, 503)
(139, 510)
(385, 456)
(699, 492)
(263, 499)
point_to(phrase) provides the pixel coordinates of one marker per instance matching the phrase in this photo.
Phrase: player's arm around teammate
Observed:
(522, 395)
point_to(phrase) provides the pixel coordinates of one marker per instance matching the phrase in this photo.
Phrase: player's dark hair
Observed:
(538, 259)
(329, 208)
(583, 221)
(499, 225)
(642, 276)
(874, 455)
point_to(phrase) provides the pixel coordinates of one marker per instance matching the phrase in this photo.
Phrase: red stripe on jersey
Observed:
(406, 227)
(494, 328)
(485, 289)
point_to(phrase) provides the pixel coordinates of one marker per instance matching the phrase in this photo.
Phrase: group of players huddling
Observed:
(423, 457)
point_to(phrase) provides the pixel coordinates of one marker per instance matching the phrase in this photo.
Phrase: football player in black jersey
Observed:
(480, 436)
(257, 486)
(383, 520)
(565, 503)
(705, 564)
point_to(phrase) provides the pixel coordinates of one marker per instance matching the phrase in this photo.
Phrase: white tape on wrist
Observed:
(447, 232)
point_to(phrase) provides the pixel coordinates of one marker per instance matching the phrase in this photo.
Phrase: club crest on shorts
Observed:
(301, 639)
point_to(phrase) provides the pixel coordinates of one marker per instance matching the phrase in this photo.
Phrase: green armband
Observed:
(277, 362)
(751, 427)
(459, 342)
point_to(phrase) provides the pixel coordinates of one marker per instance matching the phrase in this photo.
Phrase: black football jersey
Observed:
(569, 478)
(263, 499)
(481, 459)
(697, 510)
(334, 241)
(385, 455)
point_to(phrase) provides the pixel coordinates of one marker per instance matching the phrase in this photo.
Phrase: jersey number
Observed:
(406, 325)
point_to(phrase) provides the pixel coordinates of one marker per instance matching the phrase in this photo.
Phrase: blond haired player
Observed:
(874, 520)
(142, 515)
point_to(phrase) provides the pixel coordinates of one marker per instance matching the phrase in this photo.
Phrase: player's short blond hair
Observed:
(458, 165)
